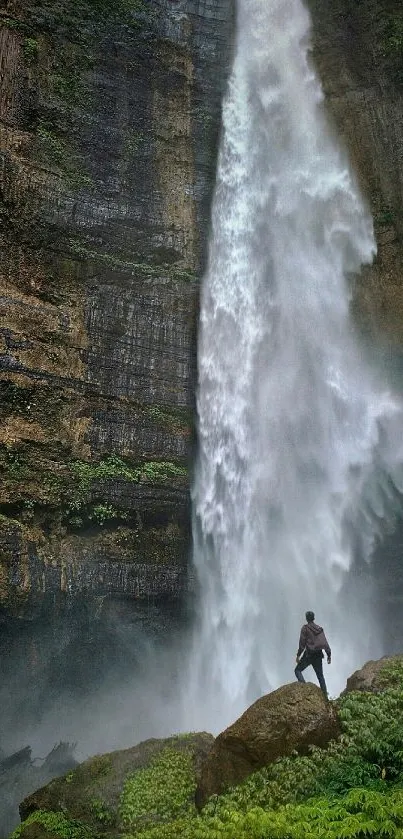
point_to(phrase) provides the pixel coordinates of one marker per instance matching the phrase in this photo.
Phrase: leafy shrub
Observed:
(164, 790)
(359, 814)
(58, 824)
(351, 790)
(30, 49)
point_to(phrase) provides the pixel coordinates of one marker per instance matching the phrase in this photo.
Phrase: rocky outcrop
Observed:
(109, 118)
(20, 775)
(375, 676)
(125, 789)
(290, 719)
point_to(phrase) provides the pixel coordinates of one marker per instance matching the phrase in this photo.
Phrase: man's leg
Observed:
(317, 664)
(302, 664)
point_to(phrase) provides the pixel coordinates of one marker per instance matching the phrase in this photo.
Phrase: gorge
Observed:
(109, 123)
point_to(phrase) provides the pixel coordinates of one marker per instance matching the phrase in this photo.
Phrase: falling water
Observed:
(291, 472)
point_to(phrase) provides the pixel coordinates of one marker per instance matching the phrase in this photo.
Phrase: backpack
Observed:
(316, 640)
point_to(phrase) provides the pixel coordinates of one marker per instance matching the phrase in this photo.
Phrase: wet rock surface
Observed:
(109, 119)
(289, 719)
(374, 676)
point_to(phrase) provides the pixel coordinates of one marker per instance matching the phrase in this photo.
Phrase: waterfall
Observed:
(299, 439)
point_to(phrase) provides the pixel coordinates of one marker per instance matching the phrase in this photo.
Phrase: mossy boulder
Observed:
(292, 718)
(152, 782)
(376, 675)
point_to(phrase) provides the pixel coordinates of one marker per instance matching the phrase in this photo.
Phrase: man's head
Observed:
(310, 617)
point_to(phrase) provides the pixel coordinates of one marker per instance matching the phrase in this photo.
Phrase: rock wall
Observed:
(358, 50)
(109, 121)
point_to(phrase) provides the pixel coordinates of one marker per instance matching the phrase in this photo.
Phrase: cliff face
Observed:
(109, 120)
(358, 50)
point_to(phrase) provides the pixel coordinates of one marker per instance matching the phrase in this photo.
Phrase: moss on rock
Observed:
(152, 781)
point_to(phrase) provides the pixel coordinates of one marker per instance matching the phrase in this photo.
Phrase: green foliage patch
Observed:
(101, 812)
(179, 420)
(78, 487)
(114, 467)
(351, 790)
(58, 824)
(30, 50)
(85, 475)
(361, 814)
(164, 790)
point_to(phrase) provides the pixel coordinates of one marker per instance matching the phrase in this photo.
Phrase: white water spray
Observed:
(291, 420)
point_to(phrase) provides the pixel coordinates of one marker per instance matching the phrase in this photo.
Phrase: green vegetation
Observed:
(63, 39)
(176, 420)
(352, 790)
(85, 475)
(113, 467)
(54, 148)
(101, 813)
(57, 824)
(101, 513)
(13, 464)
(39, 483)
(65, 82)
(30, 50)
(15, 23)
(361, 814)
(162, 791)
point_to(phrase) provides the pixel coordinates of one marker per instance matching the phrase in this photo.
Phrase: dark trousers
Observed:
(314, 659)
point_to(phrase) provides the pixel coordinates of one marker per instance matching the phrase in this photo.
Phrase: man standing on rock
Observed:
(312, 641)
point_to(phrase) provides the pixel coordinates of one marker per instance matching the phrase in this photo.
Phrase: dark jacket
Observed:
(313, 639)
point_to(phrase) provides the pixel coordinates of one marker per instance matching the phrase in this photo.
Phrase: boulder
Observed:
(373, 677)
(103, 793)
(289, 719)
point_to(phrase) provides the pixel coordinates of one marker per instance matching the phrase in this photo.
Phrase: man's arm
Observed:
(328, 651)
(302, 642)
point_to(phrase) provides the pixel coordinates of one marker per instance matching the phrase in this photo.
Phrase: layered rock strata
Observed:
(109, 118)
